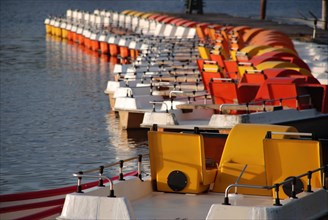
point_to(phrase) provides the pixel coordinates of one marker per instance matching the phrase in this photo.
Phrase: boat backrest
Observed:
(208, 76)
(285, 158)
(178, 162)
(283, 89)
(218, 58)
(223, 92)
(253, 78)
(243, 68)
(247, 92)
(244, 146)
(230, 66)
(204, 52)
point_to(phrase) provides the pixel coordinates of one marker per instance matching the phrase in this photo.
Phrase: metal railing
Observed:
(102, 177)
(276, 186)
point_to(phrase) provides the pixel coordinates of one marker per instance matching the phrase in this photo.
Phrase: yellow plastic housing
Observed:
(64, 33)
(171, 151)
(126, 12)
(253, 50)
(204, 52)
(243, 69)
(244, 145)
(289, 157)
(48, 29)
(211, 68)
(271, 49)
(282, 64)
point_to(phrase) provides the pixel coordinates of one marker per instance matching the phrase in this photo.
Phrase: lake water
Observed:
(55, 118)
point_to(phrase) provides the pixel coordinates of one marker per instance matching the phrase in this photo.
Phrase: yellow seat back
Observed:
(244, 145)
(211, 68)
(176, 154)
(242, 69)
(252, 50)
(204, 52)
(290, 157)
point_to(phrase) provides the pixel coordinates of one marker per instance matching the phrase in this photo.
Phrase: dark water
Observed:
(55, 118)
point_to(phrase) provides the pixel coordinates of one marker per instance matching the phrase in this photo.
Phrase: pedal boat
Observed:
(256, 172)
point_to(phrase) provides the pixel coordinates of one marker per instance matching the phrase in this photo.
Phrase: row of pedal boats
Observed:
(178, 83)
(212, 97)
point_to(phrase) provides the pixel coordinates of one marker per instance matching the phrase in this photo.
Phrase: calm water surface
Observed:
(54, 116)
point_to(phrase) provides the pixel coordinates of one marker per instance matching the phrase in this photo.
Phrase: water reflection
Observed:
(126, 143)
(55, 117)
(121, 143)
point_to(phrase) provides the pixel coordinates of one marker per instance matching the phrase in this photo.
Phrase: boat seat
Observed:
(253, 78)
(224, 92)
(231, 66)
(244, 68)
(232, 93)
(213, 68)
(204, 52)
(247, 92)
(208, 76)
(178, 162)
(286, 157)
(218, 58)
(285, 88)
(244, 146)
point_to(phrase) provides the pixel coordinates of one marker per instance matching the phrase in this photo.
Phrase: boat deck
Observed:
(160, 205)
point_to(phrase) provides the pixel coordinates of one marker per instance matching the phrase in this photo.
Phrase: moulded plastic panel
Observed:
(275, 49)
(190, 24)
(224, 48)
(153, 16)
(290, 157)
(252, 50)
(253, 78)
(125, 12)
(204, 52)
(139, 14)
(214, 146)
(230, 66)
(287, 89)
(168, 19)
(174, 21)
(207, 76)
(243, 69)
(244, 145)
(280, 72)
(247, 92)
(275, 64)
(212, 68)
(253, 175)
(170, 151)
(200, 33)
(104, 47)
(319, 96)
(161, 18)
(146, 15)
(223, 92)
(250, 33)
(218, 58)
